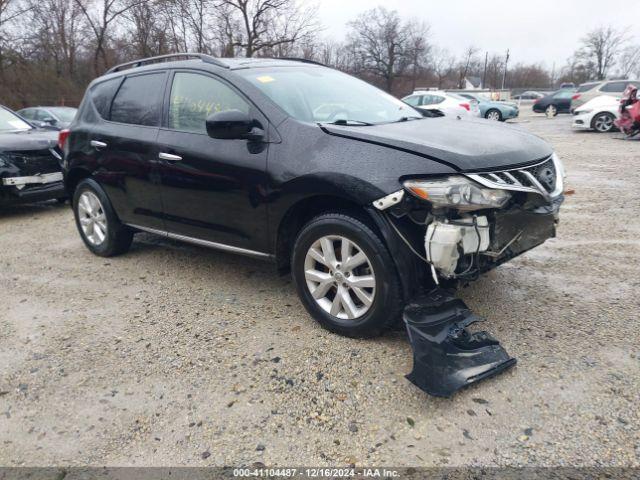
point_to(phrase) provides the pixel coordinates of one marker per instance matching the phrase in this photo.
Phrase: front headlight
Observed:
(457, 192)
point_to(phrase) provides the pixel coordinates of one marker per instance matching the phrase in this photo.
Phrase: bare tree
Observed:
(629, 62)
(381, 43)
(101, 15)
(466, 64)
(600, 49)
(268, 24)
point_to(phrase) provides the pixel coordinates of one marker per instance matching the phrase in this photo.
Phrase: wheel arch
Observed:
(73, 177)
(300, 213)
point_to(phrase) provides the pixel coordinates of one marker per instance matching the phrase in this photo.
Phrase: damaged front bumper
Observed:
(21, 182)
(446, 356)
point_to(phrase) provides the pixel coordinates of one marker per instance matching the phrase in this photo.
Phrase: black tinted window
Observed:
(139, 99)
(194, 97)
(614, 87)
(102, 95)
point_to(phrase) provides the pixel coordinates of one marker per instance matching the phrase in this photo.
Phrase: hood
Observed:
(34, 139)
(467, 145)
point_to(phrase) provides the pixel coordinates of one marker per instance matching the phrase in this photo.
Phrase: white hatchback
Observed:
(447, 102)
(597, 114)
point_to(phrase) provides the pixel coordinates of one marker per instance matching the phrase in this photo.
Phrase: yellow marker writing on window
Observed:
(266, 79)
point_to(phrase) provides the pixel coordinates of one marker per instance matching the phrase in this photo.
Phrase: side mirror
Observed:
(233, 125)
(49, 121)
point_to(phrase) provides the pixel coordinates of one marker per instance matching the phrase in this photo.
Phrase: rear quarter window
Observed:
(139, 100)
(586, 88)
(102, 95)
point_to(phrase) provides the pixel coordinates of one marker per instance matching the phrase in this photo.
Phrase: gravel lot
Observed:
(178, 355)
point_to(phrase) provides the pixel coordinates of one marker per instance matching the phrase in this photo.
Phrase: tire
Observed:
(603, 122)
(92, 208)
(493, 114)
(551, 111)
(352, 317)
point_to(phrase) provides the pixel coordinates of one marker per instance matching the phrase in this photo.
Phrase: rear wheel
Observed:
(97, 223)
(494, 115)
(603, 122)
(345, 276)
(551, 111)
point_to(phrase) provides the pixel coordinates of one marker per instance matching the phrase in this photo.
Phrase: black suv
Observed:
(364, 200)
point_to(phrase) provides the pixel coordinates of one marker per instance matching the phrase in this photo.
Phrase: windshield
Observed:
(65, 114)
(9, 121)
(312, 94)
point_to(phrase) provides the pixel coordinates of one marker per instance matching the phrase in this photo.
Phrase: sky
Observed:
(540, 31)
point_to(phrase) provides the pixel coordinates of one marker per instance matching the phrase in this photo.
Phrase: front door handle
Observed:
(169, 157)
(98, 144)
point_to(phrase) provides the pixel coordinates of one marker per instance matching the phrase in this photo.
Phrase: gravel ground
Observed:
(178, 355)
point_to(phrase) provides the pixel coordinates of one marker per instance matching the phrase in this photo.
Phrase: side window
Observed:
(194, 97)
(28, 114)
(614, 87)
(139, 100)
(102, 95)
(414, 100)
(427, 100)
(437, 99)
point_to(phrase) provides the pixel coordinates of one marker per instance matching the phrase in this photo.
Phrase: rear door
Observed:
(124, 147)
(212, 189)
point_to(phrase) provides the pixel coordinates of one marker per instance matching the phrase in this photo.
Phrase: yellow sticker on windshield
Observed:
(266, 79)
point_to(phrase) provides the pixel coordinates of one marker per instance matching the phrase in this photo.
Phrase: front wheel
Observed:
(603, 122)
(551, 111)
(97, 222)
(346, 277)
(494, 115)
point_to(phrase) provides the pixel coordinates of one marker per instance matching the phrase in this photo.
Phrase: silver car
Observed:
(589, 91)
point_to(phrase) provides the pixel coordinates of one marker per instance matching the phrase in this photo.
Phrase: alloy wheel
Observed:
(603, 123)
(340, 277)
(92, 218)
(493, 115)
(551, 111)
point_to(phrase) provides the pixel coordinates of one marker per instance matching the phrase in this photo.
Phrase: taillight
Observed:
(576, 96)
(466, 106)
(62, 138)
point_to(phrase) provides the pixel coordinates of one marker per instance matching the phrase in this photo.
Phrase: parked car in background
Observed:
(529, 95)
(597, 114)
(589, 91)
(492, 110)
(54, 117)
(328, 176)
(30, 162)
(555, 103)
(446, 102)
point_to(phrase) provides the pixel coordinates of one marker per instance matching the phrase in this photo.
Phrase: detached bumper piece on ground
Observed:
(446, 356)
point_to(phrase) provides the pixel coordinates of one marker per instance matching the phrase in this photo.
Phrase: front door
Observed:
(212, 189)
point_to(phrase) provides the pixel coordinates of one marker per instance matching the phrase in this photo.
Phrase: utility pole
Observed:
(504, 75)
(553, 75)
(484, 74)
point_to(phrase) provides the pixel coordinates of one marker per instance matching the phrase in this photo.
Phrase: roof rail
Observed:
(163, 58)
(303, 60)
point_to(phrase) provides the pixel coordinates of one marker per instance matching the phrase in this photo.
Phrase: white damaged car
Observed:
(597, 114)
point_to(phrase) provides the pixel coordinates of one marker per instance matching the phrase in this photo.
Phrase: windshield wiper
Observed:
(406, 119)
(343, 121)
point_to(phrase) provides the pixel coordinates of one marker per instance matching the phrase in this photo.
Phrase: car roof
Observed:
(186, 60)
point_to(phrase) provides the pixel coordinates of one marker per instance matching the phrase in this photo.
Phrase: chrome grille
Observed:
(544, 178)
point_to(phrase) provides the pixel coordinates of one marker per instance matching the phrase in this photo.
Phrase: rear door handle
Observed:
(97, 144)
(169, 157)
